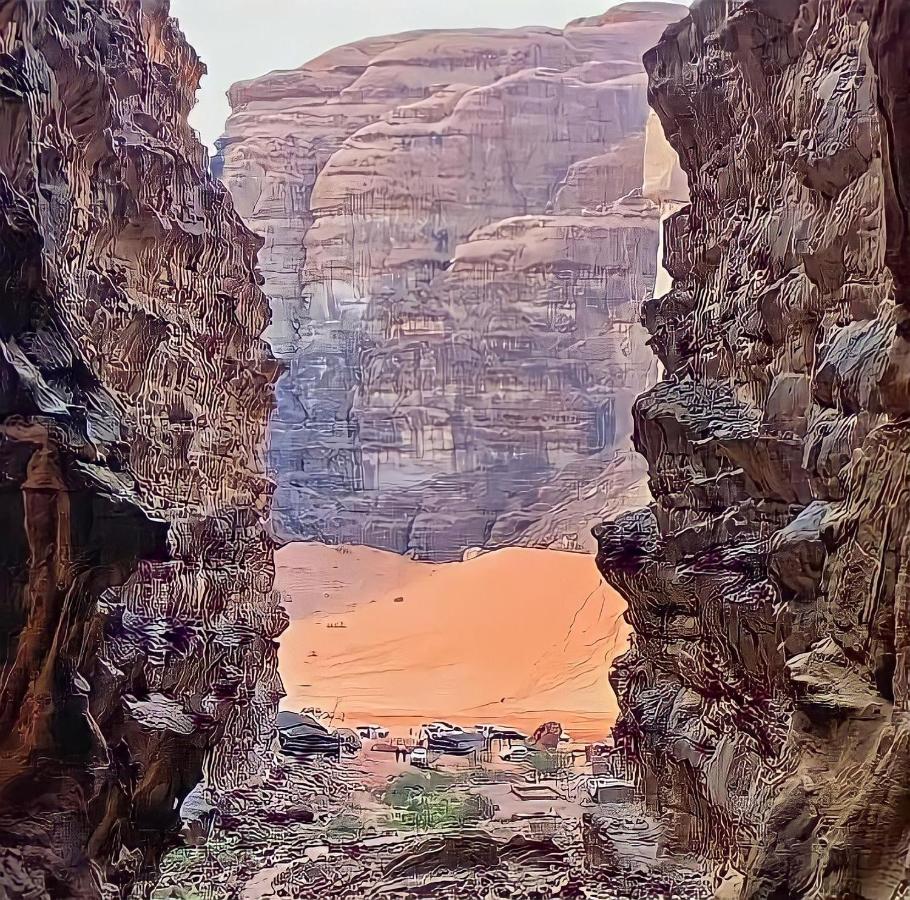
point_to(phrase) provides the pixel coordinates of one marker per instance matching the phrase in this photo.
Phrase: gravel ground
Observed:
(312, 830)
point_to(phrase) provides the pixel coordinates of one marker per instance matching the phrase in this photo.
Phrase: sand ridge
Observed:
(515, 635)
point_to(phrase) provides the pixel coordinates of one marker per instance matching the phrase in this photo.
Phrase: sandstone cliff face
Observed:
(764, 700)
(137, 612)
(456, 267)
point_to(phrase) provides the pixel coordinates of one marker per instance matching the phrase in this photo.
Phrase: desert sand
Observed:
(515, 636)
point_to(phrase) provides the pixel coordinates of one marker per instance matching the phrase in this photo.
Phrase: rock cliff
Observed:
(764, 702)
(138, 615)
(456, 250)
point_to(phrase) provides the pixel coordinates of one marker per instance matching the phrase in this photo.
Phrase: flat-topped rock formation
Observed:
(763, 705)
(456, 250)
(138, 617)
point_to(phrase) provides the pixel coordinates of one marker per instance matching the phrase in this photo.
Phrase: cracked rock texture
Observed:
(137, 618)
(456, 249)
(764, 701)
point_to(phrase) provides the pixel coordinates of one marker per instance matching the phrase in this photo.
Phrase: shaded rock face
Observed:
(764, 700)
(456, 250)
(138, 615)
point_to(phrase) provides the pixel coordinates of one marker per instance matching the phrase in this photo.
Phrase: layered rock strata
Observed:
(138, 618)
(764, 698)
(456, 250)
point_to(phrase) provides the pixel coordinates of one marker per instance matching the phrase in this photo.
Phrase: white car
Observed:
(518, 753)
(418, 757)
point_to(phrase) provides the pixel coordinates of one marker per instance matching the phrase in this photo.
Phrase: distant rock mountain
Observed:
(457, 249)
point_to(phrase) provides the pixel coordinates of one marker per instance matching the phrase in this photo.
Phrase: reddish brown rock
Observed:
(764, 697)
(138, 615)
(456, 278)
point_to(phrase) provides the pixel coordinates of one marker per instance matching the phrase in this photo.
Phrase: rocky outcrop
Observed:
(138, 613)
(764, 699)
(456, 249)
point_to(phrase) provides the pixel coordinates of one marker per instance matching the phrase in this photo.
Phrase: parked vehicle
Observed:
(302, 736)
(456, 743)
(518, 753)
(372, 732)
(500, 732)
(351, 742)
(434, 728)
(488, 730)
(419, 757)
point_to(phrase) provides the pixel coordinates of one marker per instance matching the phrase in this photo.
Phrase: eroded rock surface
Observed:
(765, 697)
(138, 615)
(456, 249)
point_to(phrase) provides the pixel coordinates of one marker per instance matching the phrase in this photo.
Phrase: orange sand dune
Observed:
(515, 636)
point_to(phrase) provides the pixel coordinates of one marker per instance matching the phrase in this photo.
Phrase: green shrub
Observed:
(423, 801)
(408, 785)
(547, 764)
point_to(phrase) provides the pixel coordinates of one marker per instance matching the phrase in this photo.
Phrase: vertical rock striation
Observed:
(456, 250)
(764, 700)
(138, 618)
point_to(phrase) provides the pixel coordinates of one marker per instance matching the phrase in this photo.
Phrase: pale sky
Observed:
(241, 39)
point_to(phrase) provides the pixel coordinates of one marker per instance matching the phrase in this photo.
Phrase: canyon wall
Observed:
(456, 250)
(764, 701)
(138, 617)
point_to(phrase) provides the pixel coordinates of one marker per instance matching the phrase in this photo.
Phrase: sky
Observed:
(240, 39)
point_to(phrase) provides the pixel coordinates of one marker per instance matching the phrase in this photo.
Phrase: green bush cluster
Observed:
(424, 800)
